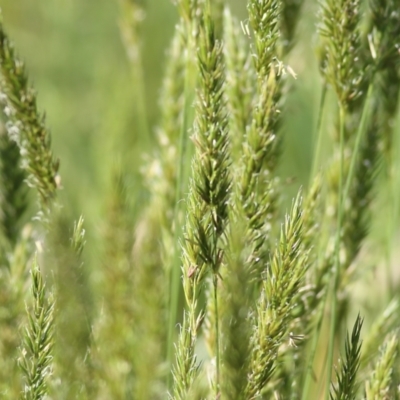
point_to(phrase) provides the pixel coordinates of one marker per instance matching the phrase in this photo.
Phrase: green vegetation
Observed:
(211, 261)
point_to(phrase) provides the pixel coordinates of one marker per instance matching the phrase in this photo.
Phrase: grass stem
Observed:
(217, 336)
(318, 133)
(175, 272)
(336, 267)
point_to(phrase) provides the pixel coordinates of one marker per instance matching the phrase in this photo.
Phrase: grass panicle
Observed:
(235, 295)
(347, 384)
(283, 279)
(379, 384)
(25, 125)
(207, 209)
(342, 64)
(239, 78)
(264, 18)
(261, 143)
(37, 351)
(382, 326)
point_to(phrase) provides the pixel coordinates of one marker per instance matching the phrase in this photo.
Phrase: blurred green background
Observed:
(77, 63)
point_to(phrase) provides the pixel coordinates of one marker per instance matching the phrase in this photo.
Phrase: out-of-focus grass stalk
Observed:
(291, 10)
(115, 351)
(339, 28)
(163, 177)
(72, 364)
(133, 14)
(344, 188)
(13, 199)
(379, 383)
(188, 10)
(37, 357)
(318, 133)
(384, 26)
(383, 325)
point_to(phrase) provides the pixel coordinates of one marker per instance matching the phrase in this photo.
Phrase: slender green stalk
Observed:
(337, 265)
(217, 335)
(344, 188)
(384, 26)
(318, 135)
(358, 140)
(133, 14)
(188, 27)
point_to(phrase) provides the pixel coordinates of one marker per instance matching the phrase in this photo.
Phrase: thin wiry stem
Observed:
(133, 13)
(188, 27)
(337, 265)
(318, 134)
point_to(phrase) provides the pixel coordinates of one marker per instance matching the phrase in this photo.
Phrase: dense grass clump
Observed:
(215, 276)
